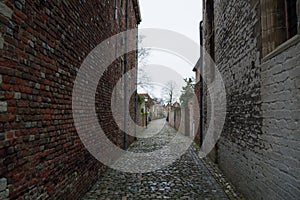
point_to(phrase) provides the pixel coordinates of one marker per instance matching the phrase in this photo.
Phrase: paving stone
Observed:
(3, 106)
(5, 10)
(187, 178)
(3, 184)
(1, 42)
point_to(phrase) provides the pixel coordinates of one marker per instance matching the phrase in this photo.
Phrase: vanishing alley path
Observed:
(187, 178)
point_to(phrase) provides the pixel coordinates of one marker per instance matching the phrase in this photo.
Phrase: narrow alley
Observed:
(149, 99)
(187, 178)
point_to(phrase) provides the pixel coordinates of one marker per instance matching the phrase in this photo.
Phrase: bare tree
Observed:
(144, 81)
(143, 53)
(170, 92)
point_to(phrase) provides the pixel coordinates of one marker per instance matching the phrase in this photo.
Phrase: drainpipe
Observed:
(136, 76)
(125, 76)
(201, 86)
(298, 14)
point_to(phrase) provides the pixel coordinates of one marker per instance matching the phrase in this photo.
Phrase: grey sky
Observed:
(182, 16)
(176, 15)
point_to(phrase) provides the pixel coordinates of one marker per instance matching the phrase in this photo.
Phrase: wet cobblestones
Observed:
(187, 178)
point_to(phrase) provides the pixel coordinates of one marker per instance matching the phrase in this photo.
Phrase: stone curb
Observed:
(213, 169)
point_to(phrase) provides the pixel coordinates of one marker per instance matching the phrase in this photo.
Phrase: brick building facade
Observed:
(42, 45)
(195, 116)
(256, 47)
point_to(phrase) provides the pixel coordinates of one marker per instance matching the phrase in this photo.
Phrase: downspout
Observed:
(201, 86)
(136, 81)
(298, 14)
(125, 77)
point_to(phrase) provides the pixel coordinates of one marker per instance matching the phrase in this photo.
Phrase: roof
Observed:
(144, 94)
(197, 65)
(176, 104)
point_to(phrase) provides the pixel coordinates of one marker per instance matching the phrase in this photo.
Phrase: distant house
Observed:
(157, 110)
(176, 105)
(145, 108)
(166, 109)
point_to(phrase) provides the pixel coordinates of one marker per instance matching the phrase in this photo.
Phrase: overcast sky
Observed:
(182, 16)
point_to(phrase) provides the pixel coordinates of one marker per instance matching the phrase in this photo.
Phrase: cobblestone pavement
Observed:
(187, 178)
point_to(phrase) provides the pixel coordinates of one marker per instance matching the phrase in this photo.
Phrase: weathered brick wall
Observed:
(171, 118)
(238, 59)
(195, 115)
(259, 147)
(195, 125)
(281, 116)
(42, 45)
(175, 119)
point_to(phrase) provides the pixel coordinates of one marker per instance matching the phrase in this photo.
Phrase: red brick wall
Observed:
(42, 44)
(196, 114)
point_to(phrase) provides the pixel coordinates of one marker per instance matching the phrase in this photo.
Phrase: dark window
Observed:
(279, 23)
(210, 14)
(291, 18)
(211, 27)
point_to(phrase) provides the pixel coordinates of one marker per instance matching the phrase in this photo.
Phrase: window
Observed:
(279, 23)
(210, 39)
(211, 27)
(291, 18)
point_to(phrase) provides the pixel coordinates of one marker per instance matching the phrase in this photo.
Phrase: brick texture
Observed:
(42, 45)
(259, 146)
(195, 113)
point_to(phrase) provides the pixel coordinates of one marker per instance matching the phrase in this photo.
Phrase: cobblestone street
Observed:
(187, 178)
(84, 86)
